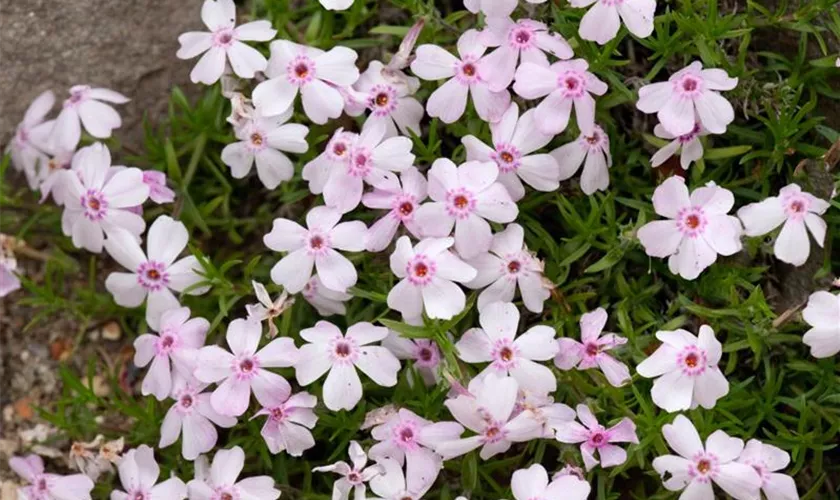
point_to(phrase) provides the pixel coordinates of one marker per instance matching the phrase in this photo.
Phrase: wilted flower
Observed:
(139, 473)
(595, 437)
(542, 408)
(766, 460)
(823, 314)
(388, 99)
(193, 418)
(595, 150)
(288, 425)
(85, 107)
(221, 483)
(46, 486)
(591, 351)
(531, 483)
(31, 137)
(353, 477)
(688, 145)
(267, 310)
(393, 484)
(601, 23)
(687, 370)
(327, 302)
(402, 200)
(96, 457)
(224, 42)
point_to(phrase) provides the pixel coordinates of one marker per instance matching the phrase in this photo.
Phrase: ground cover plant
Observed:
(491, 249)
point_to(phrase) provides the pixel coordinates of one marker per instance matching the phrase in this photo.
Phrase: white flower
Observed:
(267, 310)
(220, 481)
(193, 418)
(402, 200)
(393, 484)
(327, 302)
(766, 460)
(532, 483)
(139, 473)
(353, 477)
(84, 105)
(602, 22)
(688, 145)
(823, 314)
(388, 98)
(31, 135)
(595, 150)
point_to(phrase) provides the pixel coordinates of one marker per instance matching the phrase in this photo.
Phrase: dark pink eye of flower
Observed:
(139, 496)
(523, 37)
(506, 354)
(469, 69)
(514, 266)
(186, 401)
(690, 85)
(406, 208)
(598, 438)
(226, 496)
(691, 360)
(153, 274)
(461, 201)
(277, 413)
(797, 206)
(425, 354)
(704, 466)
(407, 434)
(168, 341)
(246, 365)
(382, 99)
(302, 70)
(421, 270)
(342, 350)
(339, 149)
(225, 38)
(42, 484)
(591, 349)
(316, 242)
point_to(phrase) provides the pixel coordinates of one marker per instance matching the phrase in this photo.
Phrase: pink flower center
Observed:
(592, 349)
(138, 495)
(598, 437)
(22, 136)
(403, 207)
(277, 414)
(167, 342)
(504, 354)
(596, 142)
(354, 478)
(361, 162)
(507, 157)
(152, 276)
(223, 38)
(695, 132)
(692, 360)
(610, 3)
(466, 70)
(382, 99)
(572, 83)
(186, 401)
(94, 204)
(761, 469)
(339, 147)
(317, 243)
(796, 206)
(494, 432)
(521, 37)
(246, 367)
(426, 354)
(78, 95)
(310, 290)
(344, 350)
(692, 221)
(704, 467)
(460, 203)
(225, 493)
(405, 435)
(257, 141)
(688, 86)
(300, 70)
(41, 484)
(420, 270)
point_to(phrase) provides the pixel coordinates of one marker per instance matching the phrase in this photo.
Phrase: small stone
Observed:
(8, 413)
(8, 489)
(23, 408)
(100, 386)
(111, 331)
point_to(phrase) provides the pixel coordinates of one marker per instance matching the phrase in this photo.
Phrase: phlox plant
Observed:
(455, 250)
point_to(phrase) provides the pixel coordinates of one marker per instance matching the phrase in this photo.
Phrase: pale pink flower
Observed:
(155, 275)
(686, 370)
(688, 145)
(797, 210)
(224, 42)
(263, 140)
(697, 467)
(51, 176)
(507, 265)
(595, 150)
(690, 95)
(9, 282)
(495, 8)
(314, 73)
(331, 351)
(139, 473)
(288, 425)
(336, 155)
(402, 201)
(315, 247)
(543, 409)
(244, 369)
(489, 415)
(601, 23)
(31, 138)
(466, 77)
(697, 229)
(823, 315)
(393, 484)
(266, 310)
(46, 486)
(193, 418)
(354, 476)
(220, 481)
(327, 302)
(766, 460)
(566, 84)
(97, 201)
(591, 352)
(410, 439)
(570, 470)
(595, 437)
(465, 197)
(158, 191)
(176, 346)
(424, 352)
(427, 274)
(524, 41)
(387, 94)
(494, 343)
(514, 139)
(372, 160)
(336, 4)
(532, 483)
(85, 107)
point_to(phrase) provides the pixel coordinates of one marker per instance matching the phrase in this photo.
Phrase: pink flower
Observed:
(686, 370)
(193, 418)
(425, 354)
(224, 42)
(314, 73)
(221, 482)
(601, 23)
(84, 105)
(591, 352)
(393, 484)
(373, 159)
(51, 176)
(139, 473)
(46, 486)
(153, 276)
(331, 351)
(766, 460)
(525, 40)
(427, 273)
(494, 343)
(542, 408)
(688, 145)
(244, 369)
(336, 155)
(158, 192)
(96, 203)
(402, 201)
(9, 282)
(797, 210)
(464, 197)
(178, 342)
(696, 467)
(353, 477)
(288, 425)
(595, 149)
(495, 8)
(566, 84)
(266, 310)
(514, 139)
(823, 315)
(263, 140)
(509, 263)
(327, 302)
(31, 138)
(532, 483)
(595, 437)
(389, 100)
(690, 95)
(315, 246)
(489, 416)
(466, 76)
(407, 438)
(697, 229)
